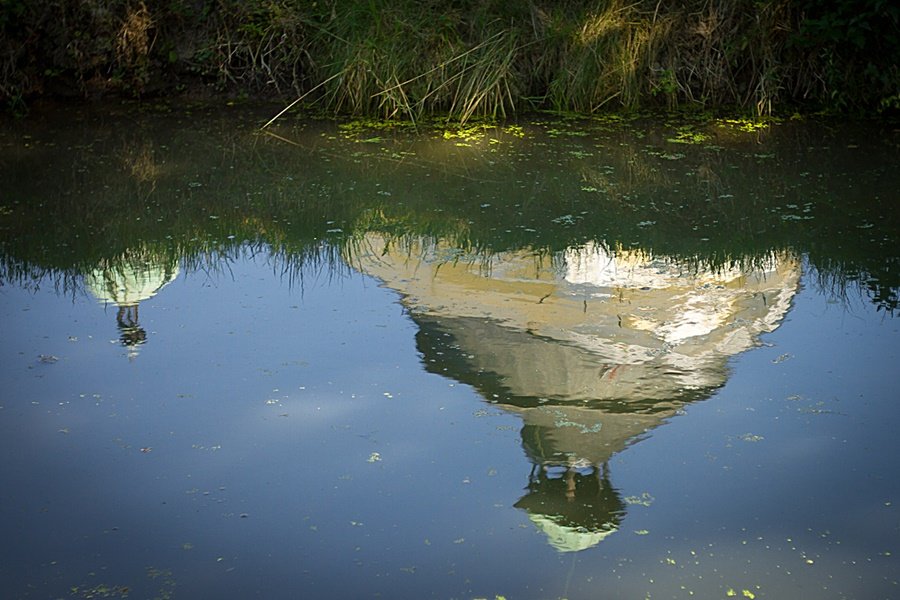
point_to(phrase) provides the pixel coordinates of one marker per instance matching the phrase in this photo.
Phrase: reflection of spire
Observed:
(125, 282)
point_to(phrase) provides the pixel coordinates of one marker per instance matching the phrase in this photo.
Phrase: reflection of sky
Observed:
(338, 363)
(436, 511)
(809, 507)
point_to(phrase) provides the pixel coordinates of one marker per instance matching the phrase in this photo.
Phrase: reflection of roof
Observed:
(566, 538)
(129, 281)
(588, 324)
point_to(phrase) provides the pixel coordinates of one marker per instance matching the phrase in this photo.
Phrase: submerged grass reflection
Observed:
(198, 189)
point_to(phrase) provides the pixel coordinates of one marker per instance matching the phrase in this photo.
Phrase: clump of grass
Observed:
(729, 53)
(393, 60)
(466, 58)
(256, 46)
(134, 43)
(602, 56)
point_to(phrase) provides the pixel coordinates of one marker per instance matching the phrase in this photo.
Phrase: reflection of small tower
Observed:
(575, 507)
(126, 281)
(570, 497)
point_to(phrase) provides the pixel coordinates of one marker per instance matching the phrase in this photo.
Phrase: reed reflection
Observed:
(592, 348)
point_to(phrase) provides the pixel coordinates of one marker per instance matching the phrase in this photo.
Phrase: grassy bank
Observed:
(409, 58)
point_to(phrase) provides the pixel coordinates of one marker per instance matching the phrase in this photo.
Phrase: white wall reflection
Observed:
(623, 325)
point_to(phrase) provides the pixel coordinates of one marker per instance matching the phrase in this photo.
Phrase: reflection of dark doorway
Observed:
(575, 507)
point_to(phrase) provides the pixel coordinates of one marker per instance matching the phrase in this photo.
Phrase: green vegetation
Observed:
(198, 189)
(462, 58)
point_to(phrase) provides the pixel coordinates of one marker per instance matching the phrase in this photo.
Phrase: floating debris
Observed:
(745, 593)
(645, 499)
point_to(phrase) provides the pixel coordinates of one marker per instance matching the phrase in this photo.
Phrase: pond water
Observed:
(607, 358)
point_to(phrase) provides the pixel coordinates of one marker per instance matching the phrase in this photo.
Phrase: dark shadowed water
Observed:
(606, 358)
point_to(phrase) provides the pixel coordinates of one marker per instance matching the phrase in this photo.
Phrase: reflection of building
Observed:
(593, 349)
(126, 281)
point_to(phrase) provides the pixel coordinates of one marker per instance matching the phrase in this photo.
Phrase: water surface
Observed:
(556, 359)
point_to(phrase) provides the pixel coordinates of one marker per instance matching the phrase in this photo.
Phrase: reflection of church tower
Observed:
(592, 350)
(126, 281)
